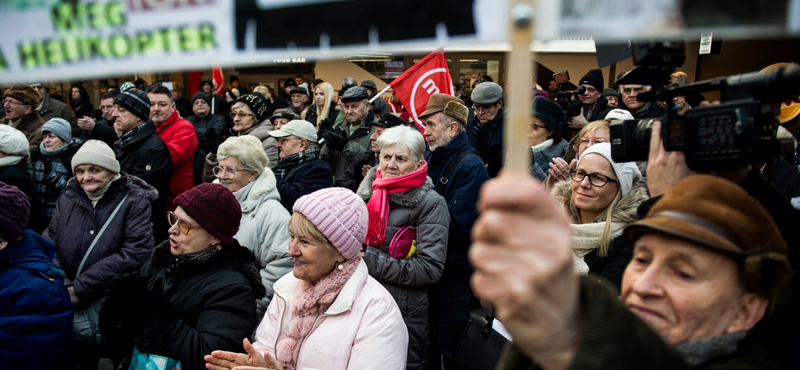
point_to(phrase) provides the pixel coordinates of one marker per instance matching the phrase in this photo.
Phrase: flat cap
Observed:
(355, 93)
(487, 93)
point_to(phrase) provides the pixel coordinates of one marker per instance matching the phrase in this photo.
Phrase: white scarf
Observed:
(10, 160)
(586, 238)
(542, 146)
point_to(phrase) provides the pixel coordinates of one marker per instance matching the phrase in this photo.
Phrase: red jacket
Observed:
(181, 140)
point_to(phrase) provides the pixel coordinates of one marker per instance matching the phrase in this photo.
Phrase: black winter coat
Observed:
(306, 179)
(184, 309)
(124, 246)
(103, 131)
(19, 176)
(147, 157)
(352, 176)
(210, 130)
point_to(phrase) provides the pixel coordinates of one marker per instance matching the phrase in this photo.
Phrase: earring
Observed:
(341, 267)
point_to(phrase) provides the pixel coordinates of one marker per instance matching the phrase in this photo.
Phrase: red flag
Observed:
(416, 85)
(220, 81)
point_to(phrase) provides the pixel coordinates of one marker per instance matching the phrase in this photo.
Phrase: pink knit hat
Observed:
(340, 215)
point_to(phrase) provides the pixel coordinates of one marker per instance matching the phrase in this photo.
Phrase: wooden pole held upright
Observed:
(520, 77)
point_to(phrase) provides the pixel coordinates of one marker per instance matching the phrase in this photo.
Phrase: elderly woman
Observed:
(407, 235)
(243, 170)
(601, 199)
(50, 164)
(14, 152)
(544, 136)
(197, 292)
(324, 106)
(329, 313)
(101, 229)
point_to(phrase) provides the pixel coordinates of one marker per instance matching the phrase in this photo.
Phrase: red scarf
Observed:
(378, 205)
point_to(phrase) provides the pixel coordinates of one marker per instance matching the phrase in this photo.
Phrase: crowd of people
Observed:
(322, 229)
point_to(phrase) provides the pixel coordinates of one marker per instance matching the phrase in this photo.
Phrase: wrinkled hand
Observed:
(559, 170)
(578, 122)
(365, 169)
(522, 254)
(86, 123)
(664, 169)
(224, 360)
(72, 296)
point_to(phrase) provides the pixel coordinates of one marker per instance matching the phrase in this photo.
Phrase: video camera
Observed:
(739, 131)
(569, 101)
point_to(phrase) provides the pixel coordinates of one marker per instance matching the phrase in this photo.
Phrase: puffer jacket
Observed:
(189, 308)
(407, 279)
(612, 266)
(265, 231)
(35, 310)
(362, 329)
(124, 246)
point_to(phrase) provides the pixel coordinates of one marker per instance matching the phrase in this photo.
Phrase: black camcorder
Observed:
(739, 131)
(568, 100)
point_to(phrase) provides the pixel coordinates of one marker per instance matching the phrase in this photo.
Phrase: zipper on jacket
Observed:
(280, 325)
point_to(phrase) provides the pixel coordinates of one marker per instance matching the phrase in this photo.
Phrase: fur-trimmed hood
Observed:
(408, 199)
(626, 208)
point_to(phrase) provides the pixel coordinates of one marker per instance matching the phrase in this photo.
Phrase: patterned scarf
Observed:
(378, 205)
(310, 301)
(293, 161)
(126, 137)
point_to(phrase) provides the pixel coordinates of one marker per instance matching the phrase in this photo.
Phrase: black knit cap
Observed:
(289, 82)
(214, 208)
(389, 121)
(593, 78)
(136, 102)
(257, 104)
(16, 210)
(201, 95)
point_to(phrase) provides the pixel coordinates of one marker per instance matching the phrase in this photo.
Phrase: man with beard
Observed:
(179, 136)
(102, 129)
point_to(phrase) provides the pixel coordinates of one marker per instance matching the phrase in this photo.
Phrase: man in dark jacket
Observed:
(485, 130)
(215, 99)
(640, 109)
(209, 129)
(594, 105)
(351, 137)
(50, 108)
(35, 311)
(142, 153)
(300, 171)
(101, 129)
(458, 174)
(363, 162)
(372, 90)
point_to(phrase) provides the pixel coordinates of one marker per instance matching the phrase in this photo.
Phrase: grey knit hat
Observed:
(97, 153)
(60, 127)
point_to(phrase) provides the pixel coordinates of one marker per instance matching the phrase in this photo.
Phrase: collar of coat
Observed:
(365, 127)
(408, 199)
(626, 208)
(257, 190)
(285, 287)
(26, 124)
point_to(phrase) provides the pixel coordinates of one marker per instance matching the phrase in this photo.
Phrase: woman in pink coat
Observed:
(329, 313)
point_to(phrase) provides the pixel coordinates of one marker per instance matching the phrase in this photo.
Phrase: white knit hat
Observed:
(97, 153)
(13, 142)
(627, 172)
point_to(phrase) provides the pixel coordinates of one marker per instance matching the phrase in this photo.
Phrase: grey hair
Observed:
(349, 81)
(445, 120)
(406, 137)
(247, 149)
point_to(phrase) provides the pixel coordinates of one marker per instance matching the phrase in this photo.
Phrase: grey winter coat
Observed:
(407, 279)
(265, 231)
(124, 246)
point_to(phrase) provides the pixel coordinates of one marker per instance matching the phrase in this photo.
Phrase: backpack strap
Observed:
(441, 184)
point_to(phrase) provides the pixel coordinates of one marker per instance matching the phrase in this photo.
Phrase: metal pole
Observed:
(378, 95)
(520, 64)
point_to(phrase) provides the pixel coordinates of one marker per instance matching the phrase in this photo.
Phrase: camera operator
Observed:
(595, 106)
(708, 265)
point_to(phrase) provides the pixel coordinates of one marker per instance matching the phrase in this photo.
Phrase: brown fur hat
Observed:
(23, 93)
(448, 105)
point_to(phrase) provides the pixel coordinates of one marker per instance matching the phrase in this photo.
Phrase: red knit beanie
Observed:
(214, 208)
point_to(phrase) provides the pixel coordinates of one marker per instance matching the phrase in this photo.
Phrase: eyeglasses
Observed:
(229, 170)
(482, 108)
(537, 127)
(182, 225)
(595, 179)
(37, 87)
(241, 115)
(638, 89)
(9, 101)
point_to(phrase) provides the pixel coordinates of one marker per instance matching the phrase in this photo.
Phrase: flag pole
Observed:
(378, 95)
(520, 69)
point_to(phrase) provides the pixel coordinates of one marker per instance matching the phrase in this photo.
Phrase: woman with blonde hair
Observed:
(324, 106)
(601, 198)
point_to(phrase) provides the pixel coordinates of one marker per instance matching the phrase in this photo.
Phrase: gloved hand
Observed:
(326, 125)
(333, 140)
(481, 135)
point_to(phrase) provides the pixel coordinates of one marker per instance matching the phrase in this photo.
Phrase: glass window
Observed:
(473, 69)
